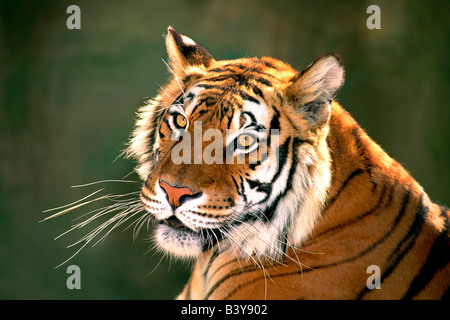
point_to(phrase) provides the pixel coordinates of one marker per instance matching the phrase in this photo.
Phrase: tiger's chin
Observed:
(179, 241)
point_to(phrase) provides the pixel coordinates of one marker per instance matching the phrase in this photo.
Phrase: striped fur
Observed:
(306, 220)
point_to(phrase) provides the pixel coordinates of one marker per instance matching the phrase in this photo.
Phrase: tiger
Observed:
(320, 206)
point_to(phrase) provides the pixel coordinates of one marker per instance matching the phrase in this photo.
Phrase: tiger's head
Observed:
(233, 152)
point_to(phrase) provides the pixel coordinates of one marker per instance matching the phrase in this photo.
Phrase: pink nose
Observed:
(174, 193)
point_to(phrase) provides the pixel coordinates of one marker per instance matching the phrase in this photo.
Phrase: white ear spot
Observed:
(188, 41)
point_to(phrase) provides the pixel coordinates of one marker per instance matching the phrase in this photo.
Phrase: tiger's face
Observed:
(233, 153)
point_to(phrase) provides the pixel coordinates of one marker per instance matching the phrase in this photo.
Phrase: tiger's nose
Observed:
(177, 195)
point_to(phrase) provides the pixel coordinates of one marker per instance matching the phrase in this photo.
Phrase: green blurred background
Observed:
(68, 100)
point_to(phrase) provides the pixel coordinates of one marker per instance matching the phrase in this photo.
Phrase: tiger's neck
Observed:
(364, 177)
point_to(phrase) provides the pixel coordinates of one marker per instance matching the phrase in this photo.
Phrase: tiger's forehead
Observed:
(231, 103)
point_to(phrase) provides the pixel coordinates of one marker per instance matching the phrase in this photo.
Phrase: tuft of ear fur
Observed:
(184, 52)
(313, 88)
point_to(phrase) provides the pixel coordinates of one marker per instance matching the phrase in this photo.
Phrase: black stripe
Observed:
(211, 86)
(269, 213)
(237, 186)
(223, 265)
(414, 230)
(161, 135)
(401, 212)
(240, 79)
(244, 95)
(438, 257)
(283, 152)
(266, 63)
(289, 184)
(275, 121)
(195, 109)
(191, 77)
(267, 187)
(262, 81)
(149, 199)
(243, 189)
(260, 186)
(214, 255)
(251, 116)
(404, 245)
(228, 111)
(258, 92)
(274, 125)
(179, 99)
(212, 237)
(264, 157)
(355, 173)
(245, 68)
(208, 102)
(337, 228)
(283, 236)
(232, 273)
(364, 153)
(154, 128)
(240, 66)
(221, 70)
(189, 96)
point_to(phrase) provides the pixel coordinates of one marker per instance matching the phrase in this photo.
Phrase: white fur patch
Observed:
(188, 41)
(179, 243)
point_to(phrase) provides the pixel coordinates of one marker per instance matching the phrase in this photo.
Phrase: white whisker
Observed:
(168, 95)
(123, 207)
(71, 204)
(175, 76)
(156, 267)
(102, 181)
(60, 213)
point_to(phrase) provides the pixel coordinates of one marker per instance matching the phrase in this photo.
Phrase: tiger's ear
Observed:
(184, 52)
(313, 88)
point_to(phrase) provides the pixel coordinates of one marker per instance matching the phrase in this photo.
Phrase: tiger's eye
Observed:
(246, 140)
(181, 121)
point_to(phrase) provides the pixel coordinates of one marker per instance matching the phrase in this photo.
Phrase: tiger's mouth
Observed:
(176, 224)
(176, 237)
